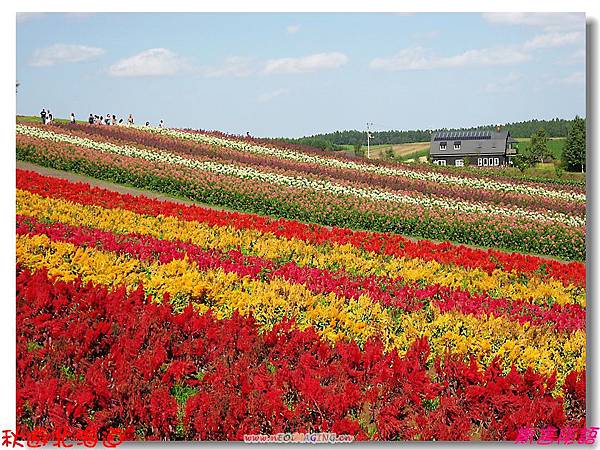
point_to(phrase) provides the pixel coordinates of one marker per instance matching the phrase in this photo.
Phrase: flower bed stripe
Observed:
(307, 205)
(356, 242)
(333, 257)
(383, 170)
(416, 188)
(301, 182)
(392, 293)
(333, 317)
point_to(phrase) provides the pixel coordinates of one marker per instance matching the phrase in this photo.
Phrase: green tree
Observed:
(521, 161)
(575, 148)
(538, 149)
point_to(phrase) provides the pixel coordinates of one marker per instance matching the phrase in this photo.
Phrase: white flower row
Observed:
(296, 181)
(283, 153)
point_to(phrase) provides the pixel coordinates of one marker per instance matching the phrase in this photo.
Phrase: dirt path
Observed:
(74, 177)
(122, 189)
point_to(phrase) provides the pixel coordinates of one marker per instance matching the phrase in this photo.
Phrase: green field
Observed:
(555, 145)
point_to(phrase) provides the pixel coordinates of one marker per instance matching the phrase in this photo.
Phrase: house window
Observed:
(442, 145)
(440, 162)
(496, 161)
(479, 162)
(457, 145)
(459, 163)
(485, 161)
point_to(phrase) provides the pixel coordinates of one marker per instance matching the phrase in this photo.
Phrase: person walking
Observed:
(49, 117)
(161, 124)
(107, 120)
(43, 115)
(130, 121)
(91, 119)
(147, 124)
(72, 118)
(114, 120)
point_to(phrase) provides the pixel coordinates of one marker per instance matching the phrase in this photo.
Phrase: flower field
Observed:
(301, 307)
(174, 321)
(308, 186)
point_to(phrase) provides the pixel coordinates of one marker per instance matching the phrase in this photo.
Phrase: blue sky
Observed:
(297, 74)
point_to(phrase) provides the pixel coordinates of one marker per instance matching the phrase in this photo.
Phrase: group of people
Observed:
(46, 116)
(111, 119)
(94, 119)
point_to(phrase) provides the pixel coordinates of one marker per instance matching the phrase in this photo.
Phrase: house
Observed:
(476, 148)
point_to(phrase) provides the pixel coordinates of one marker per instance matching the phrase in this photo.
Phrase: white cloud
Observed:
(291, 29)
(418, 58)
(547, 21)
(151, 62)
(556, 39)
(268, 96)
(163, 62)
(504, 85)
(304, 64)
(64, 53)
(235, 66)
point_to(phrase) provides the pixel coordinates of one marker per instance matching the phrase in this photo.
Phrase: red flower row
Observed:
(389, 244)
(90, 357)
(389, 292)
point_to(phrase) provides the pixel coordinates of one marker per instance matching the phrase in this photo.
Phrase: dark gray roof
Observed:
(457, 143)
(469, 135)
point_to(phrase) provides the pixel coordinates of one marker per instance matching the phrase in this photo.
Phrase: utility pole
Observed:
(369, 124)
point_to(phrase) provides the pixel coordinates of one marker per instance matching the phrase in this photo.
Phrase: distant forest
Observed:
(554, 128)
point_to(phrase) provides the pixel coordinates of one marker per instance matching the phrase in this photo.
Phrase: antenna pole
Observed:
(369, 124)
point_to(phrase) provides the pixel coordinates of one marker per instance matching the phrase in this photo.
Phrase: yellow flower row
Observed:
(331, 256)
(333, 317)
